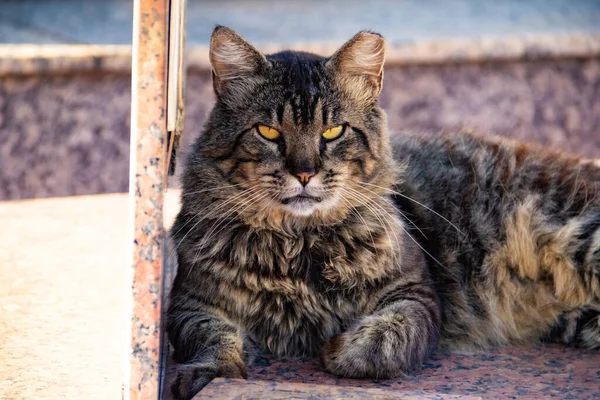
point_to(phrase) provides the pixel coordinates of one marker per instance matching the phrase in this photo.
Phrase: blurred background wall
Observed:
(521, 69)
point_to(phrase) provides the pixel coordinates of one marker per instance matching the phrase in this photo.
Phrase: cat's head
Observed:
(297, 131)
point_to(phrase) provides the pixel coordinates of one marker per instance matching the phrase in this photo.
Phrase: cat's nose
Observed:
(302, 168)
(304, 176)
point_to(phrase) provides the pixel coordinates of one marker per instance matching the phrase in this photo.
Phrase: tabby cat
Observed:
(305, 230)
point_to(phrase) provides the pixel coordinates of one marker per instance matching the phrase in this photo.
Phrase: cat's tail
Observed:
(581, 327)
(579, 286)
(586, 257)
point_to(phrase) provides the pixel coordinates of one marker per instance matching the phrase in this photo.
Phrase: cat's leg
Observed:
(206, 346)
(586, 257)
(397, 337)
(588, 330)
(580, 328)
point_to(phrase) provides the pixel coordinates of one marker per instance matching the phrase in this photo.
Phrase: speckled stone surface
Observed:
(510, 373)
(63, 263)
(64, 135)
(29, 59)
(64, 291)
(69, 135)
(271, 390)
(534, 372)
(147, 180)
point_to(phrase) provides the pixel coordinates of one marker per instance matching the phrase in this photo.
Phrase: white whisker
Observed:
(397, 209)
(211, 189)
(203, 214)
(361, 218)
(416, 242)
(416, 202)
(385, 225)
(211, 231)
(248, 203)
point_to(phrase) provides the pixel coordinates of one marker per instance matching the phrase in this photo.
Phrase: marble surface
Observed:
(63, 264)
(64, 135)
(507, 373)
(147, 187)
(64, 295)
(28, 59)
(271, 390)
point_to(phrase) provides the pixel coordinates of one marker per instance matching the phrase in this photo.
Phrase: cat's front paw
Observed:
(379, 347)
(191, 377)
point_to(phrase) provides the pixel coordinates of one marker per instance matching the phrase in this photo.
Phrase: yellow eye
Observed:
(333, 133)
(267, 132)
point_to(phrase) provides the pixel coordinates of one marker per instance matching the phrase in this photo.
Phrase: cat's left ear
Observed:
(360, 62)
(234, 61)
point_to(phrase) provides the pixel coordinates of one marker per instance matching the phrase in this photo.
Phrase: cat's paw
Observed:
(191, 377)
(379, 347)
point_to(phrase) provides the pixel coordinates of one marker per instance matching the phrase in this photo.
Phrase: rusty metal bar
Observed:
(146, 190)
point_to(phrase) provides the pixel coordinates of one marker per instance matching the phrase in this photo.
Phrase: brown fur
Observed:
(386, 248)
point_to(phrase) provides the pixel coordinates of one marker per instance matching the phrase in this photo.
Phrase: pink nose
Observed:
(304, 177)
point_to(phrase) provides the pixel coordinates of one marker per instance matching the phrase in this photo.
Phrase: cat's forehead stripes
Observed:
(314, 109)
(279, 113)
(303, 110)
(324, 114)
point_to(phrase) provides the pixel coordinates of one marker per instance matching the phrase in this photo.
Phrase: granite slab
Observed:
(64, 294)
(31, 59)
(512, 372)
(65, 135)
(271, 390)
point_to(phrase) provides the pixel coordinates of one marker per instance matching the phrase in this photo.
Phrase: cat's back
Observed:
(498, 216)
(458, 164)
(465, 189)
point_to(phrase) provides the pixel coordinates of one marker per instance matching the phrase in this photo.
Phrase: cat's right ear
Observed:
(234, 61)
(359, 64)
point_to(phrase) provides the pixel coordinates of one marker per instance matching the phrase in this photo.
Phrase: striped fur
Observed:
(522, 260)
(464, 240)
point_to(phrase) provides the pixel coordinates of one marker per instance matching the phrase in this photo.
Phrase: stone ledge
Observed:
(270, 390)
(64, 265)
(31, 59)
(40, 59)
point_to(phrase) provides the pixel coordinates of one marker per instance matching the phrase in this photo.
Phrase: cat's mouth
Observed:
(301, 199)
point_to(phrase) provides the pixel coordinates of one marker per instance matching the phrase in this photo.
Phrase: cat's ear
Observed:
(233, 59)
(360, 62)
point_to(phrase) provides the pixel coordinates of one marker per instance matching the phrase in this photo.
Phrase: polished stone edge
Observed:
(29, 59)
(36, 59)
(269, 390)
(148, 173)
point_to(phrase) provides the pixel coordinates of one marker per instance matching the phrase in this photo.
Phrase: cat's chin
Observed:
(301, 209)
(307, 207)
